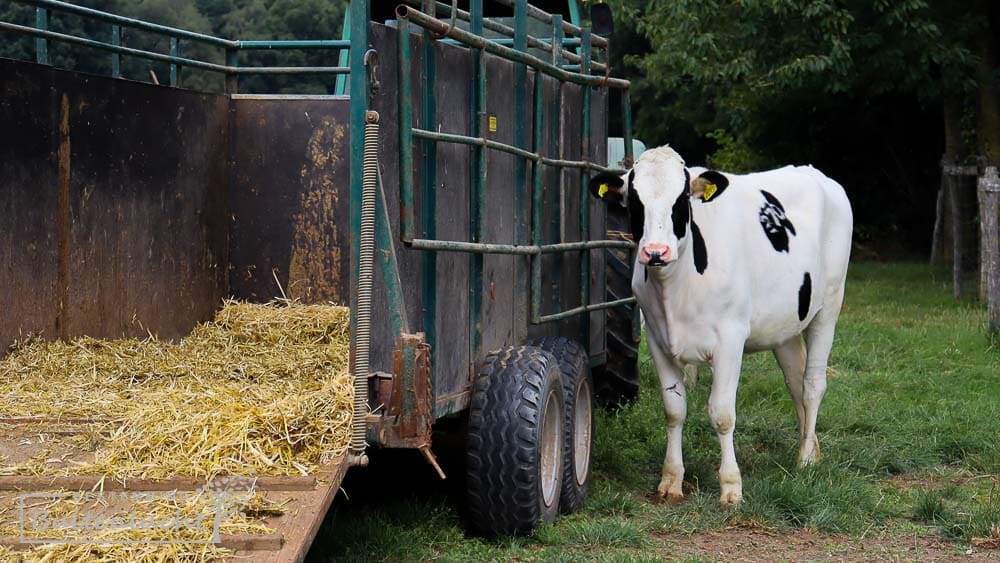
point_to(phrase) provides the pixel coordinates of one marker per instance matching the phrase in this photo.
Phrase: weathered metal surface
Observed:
(409, 410)
(288, 199)
(409, 261)
(112, 206)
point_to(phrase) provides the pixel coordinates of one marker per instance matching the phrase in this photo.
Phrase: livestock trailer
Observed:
(444, 200)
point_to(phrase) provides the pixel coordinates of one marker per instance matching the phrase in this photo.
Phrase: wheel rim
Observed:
(551, 446)
(581, 432)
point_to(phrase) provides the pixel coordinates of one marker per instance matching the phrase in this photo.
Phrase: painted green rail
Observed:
(231, 69)
(514, 49)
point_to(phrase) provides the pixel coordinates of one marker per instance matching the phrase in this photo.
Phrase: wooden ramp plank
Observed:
(303, 518)
(97, 482)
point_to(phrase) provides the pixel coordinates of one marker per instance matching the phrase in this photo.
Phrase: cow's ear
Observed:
(709, 185)
(610, 187)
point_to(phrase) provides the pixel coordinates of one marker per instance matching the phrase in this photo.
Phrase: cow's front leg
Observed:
(726, 364)
(675, 405)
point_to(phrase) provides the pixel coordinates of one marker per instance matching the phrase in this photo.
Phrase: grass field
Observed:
(909, 430)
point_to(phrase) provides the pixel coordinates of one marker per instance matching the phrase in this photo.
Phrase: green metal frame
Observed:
(517, 53)
(231, 69)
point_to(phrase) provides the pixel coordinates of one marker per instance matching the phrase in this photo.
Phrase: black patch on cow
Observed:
(805, 294)
(636, 214)
(720, 181)
(681, 214)
(700, 250)
(775, 223)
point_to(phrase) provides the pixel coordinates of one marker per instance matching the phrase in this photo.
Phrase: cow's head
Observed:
(657, 192)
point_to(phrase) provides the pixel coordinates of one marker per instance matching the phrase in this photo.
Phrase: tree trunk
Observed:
(988, 135)
(951, 185)
(989, 204)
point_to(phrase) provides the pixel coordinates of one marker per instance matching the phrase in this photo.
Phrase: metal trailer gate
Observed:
(489, 241)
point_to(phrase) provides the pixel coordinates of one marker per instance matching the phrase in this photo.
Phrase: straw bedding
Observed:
(261, 389)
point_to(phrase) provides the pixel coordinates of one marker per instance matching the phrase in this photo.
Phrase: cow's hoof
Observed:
(809, 453)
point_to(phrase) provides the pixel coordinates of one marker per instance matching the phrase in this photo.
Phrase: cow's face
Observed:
(657, 194)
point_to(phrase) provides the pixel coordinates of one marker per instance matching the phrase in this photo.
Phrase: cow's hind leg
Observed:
(791, 356)
(675, 405)
(726, 365)
(819, 342)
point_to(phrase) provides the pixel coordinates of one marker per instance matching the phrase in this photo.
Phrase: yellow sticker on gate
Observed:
(493, 124)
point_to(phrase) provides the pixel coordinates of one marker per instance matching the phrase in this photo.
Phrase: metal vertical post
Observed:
(555, 143)
(359, 101)
(233, 81)
(629, 161)
(405, 121)
(175, 51)
(429, 211)
(116, 59)
(520, 164)
(583, 194)
(536, 202)
(344, 59)
(477, 173)
(42, 44)
(626, 130)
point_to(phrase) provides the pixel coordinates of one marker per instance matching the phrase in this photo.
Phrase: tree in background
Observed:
(233, 19)
(854, 87)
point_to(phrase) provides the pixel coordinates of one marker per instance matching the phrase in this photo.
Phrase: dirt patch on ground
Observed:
(936, 479)
(738, 544)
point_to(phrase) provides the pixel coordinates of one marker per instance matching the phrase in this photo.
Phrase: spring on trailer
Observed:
(365, 276)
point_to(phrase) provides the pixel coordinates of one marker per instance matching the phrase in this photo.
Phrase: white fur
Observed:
(745, 301)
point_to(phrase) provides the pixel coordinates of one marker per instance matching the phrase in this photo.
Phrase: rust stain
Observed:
(313, 271)
(63, 217)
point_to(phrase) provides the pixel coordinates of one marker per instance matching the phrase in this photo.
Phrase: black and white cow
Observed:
(730, 264)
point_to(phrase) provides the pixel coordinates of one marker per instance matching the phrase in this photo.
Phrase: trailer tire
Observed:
(578, 392)
(617, 381)
(515, 442)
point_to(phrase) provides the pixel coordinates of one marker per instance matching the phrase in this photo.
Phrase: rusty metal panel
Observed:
(289, 198)
(113, 199)
(409, 412)
(410, 263)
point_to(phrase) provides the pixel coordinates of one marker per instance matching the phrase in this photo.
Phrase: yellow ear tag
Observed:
(710, 190)
(603, 189)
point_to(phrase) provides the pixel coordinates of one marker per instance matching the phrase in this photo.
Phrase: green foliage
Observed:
(232, 19)
(733, 154)
(850, 86)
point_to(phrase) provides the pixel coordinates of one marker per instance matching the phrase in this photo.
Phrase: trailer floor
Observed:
(293, 506)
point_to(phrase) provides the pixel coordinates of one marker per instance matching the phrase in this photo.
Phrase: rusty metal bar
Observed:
(586, 309)
(442, 28)
(511, 149)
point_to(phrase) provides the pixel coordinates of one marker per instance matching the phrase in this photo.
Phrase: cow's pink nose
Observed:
(655, 254)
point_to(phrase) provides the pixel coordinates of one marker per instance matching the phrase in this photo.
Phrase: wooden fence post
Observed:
(938, 238)
(951, 184)
(989, 209)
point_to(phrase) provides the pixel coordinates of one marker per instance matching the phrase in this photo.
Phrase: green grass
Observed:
(908, 430)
